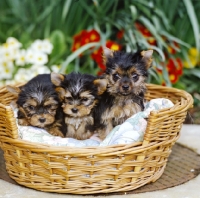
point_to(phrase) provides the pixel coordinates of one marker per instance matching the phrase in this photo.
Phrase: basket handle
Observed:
(139, 158)
(11, 128)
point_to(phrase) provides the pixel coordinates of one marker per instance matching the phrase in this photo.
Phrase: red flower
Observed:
(172, 49)
(112, 45)
(78, 40)
(175, 69)
(143, 30)
(173, 78)
(120, 34)
(94, 36)
(97, 54)
(91, 36)
(146, 33)
(85, 37)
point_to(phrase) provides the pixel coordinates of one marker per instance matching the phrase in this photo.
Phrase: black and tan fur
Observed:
(79, 94)
(39, 105)
(126, 74)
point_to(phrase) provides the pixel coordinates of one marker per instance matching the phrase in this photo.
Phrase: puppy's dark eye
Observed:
(31, 108)
(48, 106)
(135, 77)
(69, 98)
(84, 99)
(116, 77)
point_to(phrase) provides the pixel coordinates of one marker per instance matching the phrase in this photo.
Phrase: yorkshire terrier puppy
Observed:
(39, 105)
(79, 94)
(126, 74)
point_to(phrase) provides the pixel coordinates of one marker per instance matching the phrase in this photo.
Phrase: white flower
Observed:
(13, 42)
(42, 46)
(40, 58)
(37, 45)
(39, 69)
(30, 56)
(21, 58)
(55, 68)
(47, 46)
(23, 75)
(7, 69)
(7, 52)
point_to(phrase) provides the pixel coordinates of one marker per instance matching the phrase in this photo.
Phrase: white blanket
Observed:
(132, 130)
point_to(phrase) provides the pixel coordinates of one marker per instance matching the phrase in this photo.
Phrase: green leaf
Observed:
(133, 12)
(160, 52)
(193, 20)
(173, 38)
(66, 9)
(194, 71)
(57, 38)
(147, 23)
(74, 55)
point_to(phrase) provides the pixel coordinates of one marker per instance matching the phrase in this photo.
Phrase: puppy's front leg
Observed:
(55, 129)
(106, 130)
(71, 131)
(23, 122)
(83, 133)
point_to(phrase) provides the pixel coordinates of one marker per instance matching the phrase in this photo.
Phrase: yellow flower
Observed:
(193, 58)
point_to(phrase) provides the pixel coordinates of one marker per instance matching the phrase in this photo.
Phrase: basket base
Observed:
(175, 172)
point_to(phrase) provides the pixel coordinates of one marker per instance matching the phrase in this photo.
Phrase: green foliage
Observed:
(169, 22)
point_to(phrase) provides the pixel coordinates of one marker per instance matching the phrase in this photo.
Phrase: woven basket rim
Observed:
(37, 145)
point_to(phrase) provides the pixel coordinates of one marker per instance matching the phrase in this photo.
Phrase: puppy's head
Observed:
(37, 101)
(126, 72)
(79, 93)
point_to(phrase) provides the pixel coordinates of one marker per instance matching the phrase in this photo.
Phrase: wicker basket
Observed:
(93, 170)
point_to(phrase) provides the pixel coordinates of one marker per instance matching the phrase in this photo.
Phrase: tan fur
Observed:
(122, 72)
(49, 125)
(82, 109)
(77, 110)
(101, 85)
(56, 79)
(12, 89)
(118, 114)
(114, 87)
(123, 90)
(106, 53)
(76, 127)
(23, 122)
(31, 102)
(147, 56)
(54, 129)
(50, 101)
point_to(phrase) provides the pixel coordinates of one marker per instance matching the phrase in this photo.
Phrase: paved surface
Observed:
(190, 137)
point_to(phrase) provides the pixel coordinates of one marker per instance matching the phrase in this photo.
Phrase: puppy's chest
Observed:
(121, 110)
(78, 122)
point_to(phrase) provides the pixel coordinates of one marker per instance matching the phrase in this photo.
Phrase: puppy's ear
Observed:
(101, 85)
(14, 90)
(106, 54)
(147, 56)
(61, 92)
(57, 79)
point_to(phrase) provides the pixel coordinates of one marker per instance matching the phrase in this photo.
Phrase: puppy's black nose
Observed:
(125, 87)
(42, 120)
(74, 110)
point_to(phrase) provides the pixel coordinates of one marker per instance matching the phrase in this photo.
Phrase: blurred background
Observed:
(39, 36)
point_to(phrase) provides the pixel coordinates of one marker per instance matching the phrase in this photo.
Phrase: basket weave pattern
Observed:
(93, 170)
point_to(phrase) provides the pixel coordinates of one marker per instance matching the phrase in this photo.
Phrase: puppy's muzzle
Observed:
(74, 110)
(42, 120)
(125, 87)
